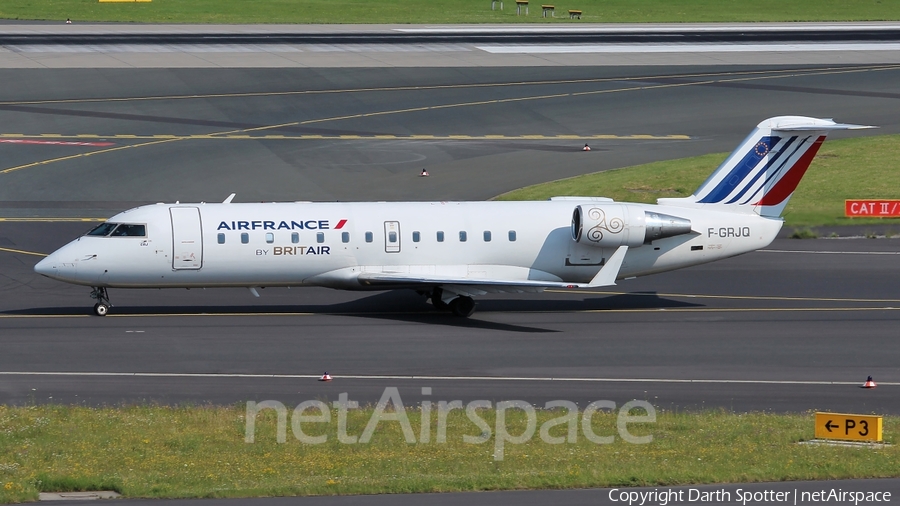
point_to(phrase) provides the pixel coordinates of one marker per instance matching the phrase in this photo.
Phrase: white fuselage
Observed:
(330, 244)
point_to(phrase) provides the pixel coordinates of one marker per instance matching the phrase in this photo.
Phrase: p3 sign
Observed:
(848, 427)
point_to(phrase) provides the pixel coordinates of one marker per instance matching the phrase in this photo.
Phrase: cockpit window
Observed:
(103, 229)
(127, 230)
(119, 230)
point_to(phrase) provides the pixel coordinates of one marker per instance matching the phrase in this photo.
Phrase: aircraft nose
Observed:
(54, 267)
(46, 267)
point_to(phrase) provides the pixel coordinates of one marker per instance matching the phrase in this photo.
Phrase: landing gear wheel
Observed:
(437, 300)
(102, 306)
(462, 306)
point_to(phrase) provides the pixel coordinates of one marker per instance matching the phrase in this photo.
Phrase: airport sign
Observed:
(848, 427)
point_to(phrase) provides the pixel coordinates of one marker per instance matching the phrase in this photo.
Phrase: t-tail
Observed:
(762, 173)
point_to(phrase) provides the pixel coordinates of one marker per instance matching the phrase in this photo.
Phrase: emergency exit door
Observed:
(187, 238)
(392, 237)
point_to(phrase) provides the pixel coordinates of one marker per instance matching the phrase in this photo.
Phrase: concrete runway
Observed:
(794, 328)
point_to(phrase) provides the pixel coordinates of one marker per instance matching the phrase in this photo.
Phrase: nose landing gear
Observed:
(102, 306)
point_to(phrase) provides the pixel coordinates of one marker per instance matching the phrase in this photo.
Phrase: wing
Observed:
(505, 279)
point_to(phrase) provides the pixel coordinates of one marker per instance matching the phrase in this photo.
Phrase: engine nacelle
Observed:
(614, 225)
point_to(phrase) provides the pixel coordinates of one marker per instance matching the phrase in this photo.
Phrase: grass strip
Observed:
(859, 168)
(180, 452)
(446, 11)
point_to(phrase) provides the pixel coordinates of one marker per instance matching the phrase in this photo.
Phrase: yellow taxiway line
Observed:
(51, 220)
(22, 252)
(378, 137)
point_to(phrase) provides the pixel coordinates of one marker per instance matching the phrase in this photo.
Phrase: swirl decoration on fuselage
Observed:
(614, 226)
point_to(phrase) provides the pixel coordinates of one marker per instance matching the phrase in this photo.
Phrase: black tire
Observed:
(462, 306)
(101, 309)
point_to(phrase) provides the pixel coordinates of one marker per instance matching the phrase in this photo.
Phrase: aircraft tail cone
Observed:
(325, 377)
(586, 148)
(869, 383)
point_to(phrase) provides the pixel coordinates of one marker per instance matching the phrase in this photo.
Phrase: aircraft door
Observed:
(187, 238)
(392, 237)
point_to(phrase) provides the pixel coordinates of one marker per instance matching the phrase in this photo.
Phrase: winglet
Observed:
(229, 199)
(609, 272)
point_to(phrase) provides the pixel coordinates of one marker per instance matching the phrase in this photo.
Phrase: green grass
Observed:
(447, 11)
(150, 451)
(844, 169)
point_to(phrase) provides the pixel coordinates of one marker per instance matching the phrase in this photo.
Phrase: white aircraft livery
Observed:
(449, 251)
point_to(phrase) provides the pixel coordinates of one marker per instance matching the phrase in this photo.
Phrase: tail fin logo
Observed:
(762, 173)
(767, 174)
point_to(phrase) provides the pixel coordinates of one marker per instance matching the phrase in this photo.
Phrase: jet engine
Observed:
(614, 225)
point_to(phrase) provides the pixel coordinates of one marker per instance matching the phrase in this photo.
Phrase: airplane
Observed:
(449, 252)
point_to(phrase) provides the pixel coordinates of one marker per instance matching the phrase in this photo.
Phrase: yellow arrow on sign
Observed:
(848, 427)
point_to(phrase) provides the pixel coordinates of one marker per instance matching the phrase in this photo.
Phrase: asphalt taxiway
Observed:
(795, 327)
(781, 330)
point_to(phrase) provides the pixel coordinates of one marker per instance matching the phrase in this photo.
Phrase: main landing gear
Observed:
(102, 306)
(462, 306)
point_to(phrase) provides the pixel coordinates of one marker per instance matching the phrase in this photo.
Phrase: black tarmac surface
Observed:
(828, 319)
(528, 107)
(795, 328)
(792, 329)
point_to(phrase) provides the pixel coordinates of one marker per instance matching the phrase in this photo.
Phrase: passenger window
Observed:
(512, 236)
(295, 237)
(416, 237)
(320, 237)
(345, 236)
(368, 236)
(270, 237)
(487, 236)
(102, 229)
(245, 237)
(392, 236)
(440, 237)
(462, 236)
(221, 238)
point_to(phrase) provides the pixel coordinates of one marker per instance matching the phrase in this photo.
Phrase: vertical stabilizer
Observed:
(762, 173)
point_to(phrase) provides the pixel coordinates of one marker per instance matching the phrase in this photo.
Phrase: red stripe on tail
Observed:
(787, 184)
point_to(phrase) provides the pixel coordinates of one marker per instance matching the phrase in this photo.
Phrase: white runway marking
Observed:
(831, 252)
(153, 48)
(681, 48)
(236, 48)
(385, 48)
(430, 378)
